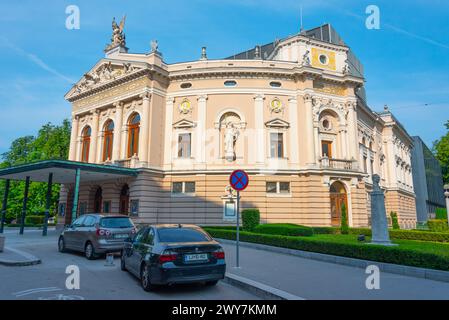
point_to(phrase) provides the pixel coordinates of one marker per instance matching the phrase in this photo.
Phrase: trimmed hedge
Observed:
(344, 220)
(34, 220)
(394, 220)
(284, 229)
(250, 219)
(438, 225)
(395, 255)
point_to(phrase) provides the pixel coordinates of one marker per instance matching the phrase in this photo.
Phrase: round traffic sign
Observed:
(239, 180)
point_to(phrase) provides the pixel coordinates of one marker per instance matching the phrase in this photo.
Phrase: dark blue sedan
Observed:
(172, 254)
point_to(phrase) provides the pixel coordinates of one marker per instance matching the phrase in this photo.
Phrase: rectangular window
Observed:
(183, 187)
(184, 145)
(326, 149)
(277, 145)
(278, 188)
(365, 169)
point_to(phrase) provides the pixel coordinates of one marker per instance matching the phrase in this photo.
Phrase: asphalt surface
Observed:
(47, 281)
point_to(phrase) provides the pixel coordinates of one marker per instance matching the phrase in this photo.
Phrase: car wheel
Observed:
(61, 245)
(122, 262)
(211, 283)
(89, 251)
(145, 278)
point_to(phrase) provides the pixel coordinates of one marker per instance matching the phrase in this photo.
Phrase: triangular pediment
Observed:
(184, 124)
(104, 72)
(277, 123)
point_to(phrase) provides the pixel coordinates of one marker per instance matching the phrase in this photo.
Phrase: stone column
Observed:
(201, 131)
(352, 131)
(94, 136)
(73, 138)
(117, 131)
(144, 141)
(259, 146)
(294, 134)
(311, 136)
(168, 152)
(79, 149)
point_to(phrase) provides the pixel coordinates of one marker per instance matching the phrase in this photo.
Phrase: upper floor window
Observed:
(133, 135)
(87, 132)
(186, 85)
(275, 84)
(108, 140)
(184, 145)
(230, 83)
(326, 149)
(277, 145)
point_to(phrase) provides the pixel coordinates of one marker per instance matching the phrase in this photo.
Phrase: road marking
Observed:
(36, 290)
(62, 297)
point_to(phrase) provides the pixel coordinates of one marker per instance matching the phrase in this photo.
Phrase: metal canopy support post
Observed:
(4, 206)
(47, 206)
(76, 194)
(24, 206)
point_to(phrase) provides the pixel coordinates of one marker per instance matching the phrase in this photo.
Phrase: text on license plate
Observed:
(121, 236)
(195, 257)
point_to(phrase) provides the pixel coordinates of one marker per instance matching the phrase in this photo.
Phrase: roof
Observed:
(64, 171)
(325, 33)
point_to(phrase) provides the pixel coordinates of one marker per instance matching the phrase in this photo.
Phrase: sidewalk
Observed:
(17, 258)
(312, 279)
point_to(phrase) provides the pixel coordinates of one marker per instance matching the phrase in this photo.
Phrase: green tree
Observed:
(51, 142)
(441, 150)
(344, 220)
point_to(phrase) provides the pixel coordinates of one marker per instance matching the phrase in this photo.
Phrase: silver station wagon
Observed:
(96, 234)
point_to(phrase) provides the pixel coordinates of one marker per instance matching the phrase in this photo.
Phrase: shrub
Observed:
(394, 220)
(344, 220)
(250, 219)
(326, 230)
(441, 214)
(396, 255)
(34, 219)
(438, 225)
(284, 230)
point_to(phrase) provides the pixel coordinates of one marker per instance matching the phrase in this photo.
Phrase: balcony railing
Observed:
(124, 163)
(337, 164)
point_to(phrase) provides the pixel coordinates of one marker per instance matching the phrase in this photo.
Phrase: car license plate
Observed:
(195, 257)
(121, 236)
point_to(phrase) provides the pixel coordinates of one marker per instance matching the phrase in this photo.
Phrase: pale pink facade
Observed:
(290, 114)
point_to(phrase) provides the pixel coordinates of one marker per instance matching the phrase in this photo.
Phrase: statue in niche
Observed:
(306, 59)
(230, 138)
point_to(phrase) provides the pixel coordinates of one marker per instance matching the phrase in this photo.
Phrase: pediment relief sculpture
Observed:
(106, 72)
(277, 124)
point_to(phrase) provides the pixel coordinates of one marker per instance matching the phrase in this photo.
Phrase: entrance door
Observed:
(98, 200)
(338, 197)
(124, 200)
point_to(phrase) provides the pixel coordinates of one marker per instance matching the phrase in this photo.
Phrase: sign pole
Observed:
(238, 231)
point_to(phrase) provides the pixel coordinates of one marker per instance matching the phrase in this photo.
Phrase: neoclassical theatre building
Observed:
(292, 113)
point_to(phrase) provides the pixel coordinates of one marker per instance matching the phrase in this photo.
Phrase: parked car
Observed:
(96, 234)
(173, 254)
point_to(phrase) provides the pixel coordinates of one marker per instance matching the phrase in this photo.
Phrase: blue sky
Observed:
(406, 61)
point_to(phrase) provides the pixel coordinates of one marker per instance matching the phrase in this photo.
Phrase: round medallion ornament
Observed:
(185, 106)
(276, 105)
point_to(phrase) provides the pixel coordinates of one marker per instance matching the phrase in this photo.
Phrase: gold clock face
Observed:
(185, 106)
(276, 105)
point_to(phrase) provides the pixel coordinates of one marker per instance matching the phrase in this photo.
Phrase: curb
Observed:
(261, 290)
(429, 274)
(30, 259)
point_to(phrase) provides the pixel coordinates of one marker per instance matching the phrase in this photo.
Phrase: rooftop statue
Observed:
(118, 36)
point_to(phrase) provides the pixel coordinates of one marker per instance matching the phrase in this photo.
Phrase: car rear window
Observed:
(113, 222)
(182, 235)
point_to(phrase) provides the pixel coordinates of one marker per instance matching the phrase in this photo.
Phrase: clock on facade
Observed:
(276, 105)
(185, 106)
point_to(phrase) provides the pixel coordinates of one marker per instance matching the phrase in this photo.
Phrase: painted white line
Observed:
(36, 290)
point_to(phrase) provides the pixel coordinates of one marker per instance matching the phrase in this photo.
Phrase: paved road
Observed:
(97, 281)
(311, 279)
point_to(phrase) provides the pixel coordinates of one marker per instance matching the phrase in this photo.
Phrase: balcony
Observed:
(337, 164)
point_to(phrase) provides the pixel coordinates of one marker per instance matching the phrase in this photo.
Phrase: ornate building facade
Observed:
(292, 113)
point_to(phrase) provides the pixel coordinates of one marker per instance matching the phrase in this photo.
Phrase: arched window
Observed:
(85, 144)
(108, 140)
(133, 135)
